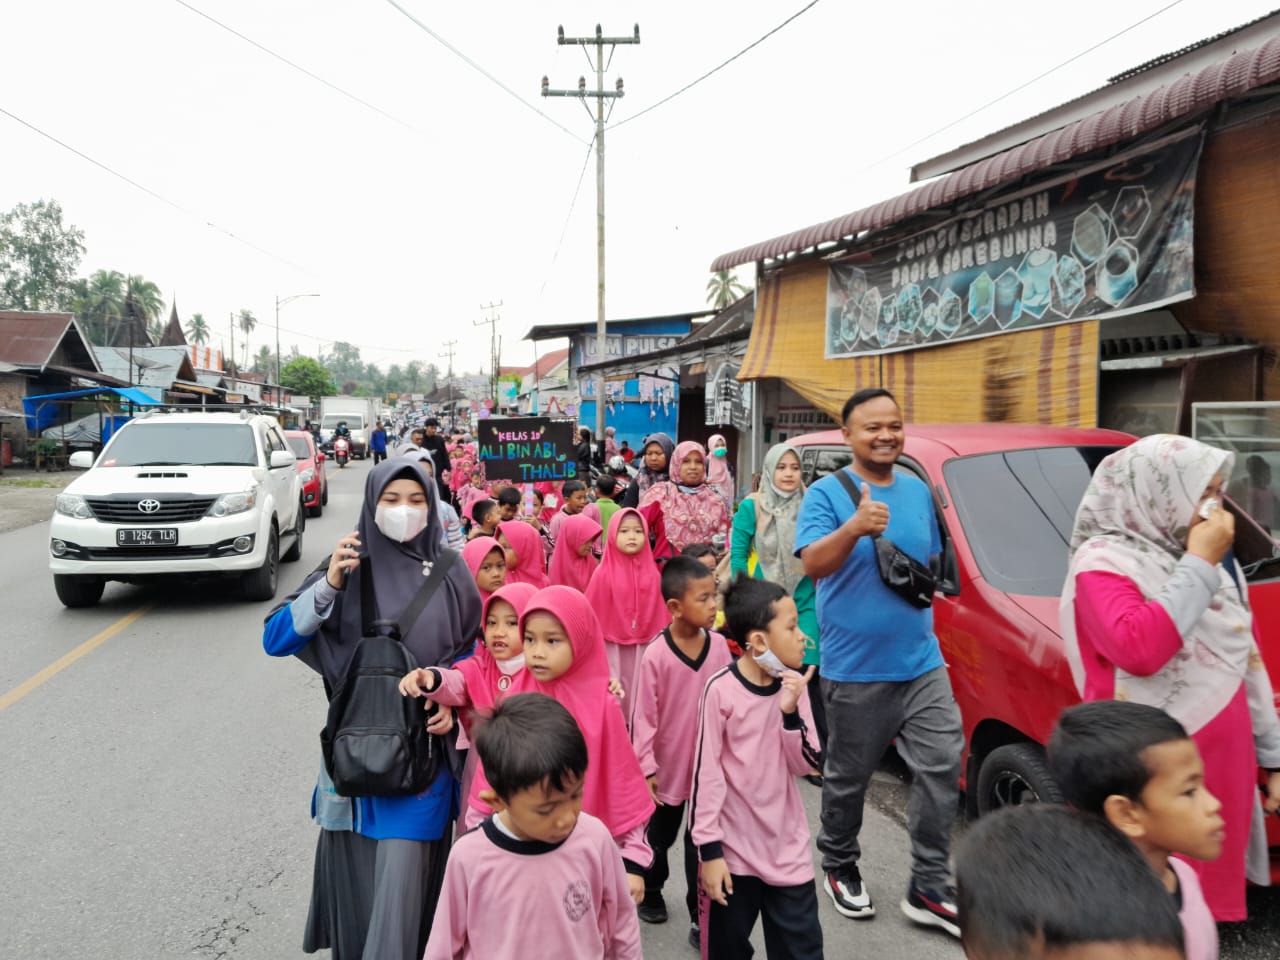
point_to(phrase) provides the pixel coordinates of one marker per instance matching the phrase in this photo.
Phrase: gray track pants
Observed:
(862, 720)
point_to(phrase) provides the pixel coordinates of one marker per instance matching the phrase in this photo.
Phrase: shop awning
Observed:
(41, 410)
(1191, 94)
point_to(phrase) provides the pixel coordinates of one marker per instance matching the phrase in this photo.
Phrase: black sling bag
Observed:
(903, 574)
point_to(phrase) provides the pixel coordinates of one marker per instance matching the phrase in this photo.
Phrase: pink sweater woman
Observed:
(1155, 610)
(693, 511)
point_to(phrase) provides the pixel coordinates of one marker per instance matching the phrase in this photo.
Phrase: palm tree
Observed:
(155, 329)
(247, 322)
(198, 329)
(146, 297)
(101, 304)
(724, 288)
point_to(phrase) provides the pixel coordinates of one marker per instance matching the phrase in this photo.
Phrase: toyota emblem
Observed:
(149, 505)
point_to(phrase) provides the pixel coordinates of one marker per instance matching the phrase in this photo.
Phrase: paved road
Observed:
(156, 788)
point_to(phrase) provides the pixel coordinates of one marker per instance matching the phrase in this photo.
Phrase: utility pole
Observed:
(492, 321)
(448, 346)
(599, 41)
(232, 317)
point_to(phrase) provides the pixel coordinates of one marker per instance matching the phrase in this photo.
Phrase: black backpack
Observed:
(375, 740)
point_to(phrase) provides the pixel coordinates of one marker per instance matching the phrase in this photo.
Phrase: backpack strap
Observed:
(850, 487)
(369, 600)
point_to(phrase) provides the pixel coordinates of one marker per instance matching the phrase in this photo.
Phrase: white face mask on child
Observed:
(400, 523)
(769, 662)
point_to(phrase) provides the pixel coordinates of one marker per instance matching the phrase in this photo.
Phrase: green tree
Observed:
(146, 298)
(100, 304)
(394, 380)
(412, 374)
(264, 361)
(39, 256)
(724, 288)
(430, 378)
(345, 363)
(198, 329)
(305, 377)
(247, 322)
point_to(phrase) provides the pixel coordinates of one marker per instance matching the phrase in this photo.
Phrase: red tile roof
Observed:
(1185, 97)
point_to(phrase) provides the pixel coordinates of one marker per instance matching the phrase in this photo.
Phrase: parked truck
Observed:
(359, 414)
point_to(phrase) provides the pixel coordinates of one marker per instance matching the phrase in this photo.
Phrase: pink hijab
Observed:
(626, 591)
(718, 474)
(484, 679)
(473, 555)
(614, 789)
(530, 558)
(689, 514)
(567, 568)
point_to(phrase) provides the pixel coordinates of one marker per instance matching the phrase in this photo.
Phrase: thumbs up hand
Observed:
(872, 516)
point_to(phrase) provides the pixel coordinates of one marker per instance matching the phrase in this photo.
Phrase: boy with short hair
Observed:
(673, 672)
(538, 877)
(574, 494)
(1135, 766)
(509, 500)
(484, 519)
(1042, 882)
(745, 814)
(606, 487)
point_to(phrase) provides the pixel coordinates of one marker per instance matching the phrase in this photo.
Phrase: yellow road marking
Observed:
(67, 659)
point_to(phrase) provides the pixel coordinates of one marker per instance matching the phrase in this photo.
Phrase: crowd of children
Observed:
(614, 703)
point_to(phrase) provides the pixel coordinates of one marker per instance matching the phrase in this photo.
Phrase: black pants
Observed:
(819, 710)
(664, 827)
(379, 456)
(790, 916)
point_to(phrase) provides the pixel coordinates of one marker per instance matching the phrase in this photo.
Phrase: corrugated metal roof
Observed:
(1183, 51)
(1185, 97)
(29, 339)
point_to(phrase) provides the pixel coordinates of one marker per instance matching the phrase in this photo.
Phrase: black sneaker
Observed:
(653, 909)
(933, 908)
(695, 937)
(847, 892)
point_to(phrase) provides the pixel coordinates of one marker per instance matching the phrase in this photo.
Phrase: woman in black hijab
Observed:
(379, 860)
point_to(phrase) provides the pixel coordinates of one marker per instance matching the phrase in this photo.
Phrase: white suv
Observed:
(179, 493)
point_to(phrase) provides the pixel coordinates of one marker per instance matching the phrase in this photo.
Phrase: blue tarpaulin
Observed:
(42, 411)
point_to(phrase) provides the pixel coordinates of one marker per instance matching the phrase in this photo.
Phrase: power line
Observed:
(151, 193)
(1019, 88)
(301, 69)
(573, 202)
(694, 83)
(481, 70)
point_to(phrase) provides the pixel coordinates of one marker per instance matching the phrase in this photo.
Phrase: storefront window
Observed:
(1252, 432)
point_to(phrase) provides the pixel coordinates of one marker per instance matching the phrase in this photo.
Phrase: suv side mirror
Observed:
(281, 458)
(81, 460)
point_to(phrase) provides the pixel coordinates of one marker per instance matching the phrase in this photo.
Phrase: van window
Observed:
(817, 462)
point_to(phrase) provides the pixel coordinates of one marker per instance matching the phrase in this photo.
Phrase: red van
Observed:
(1006, 497)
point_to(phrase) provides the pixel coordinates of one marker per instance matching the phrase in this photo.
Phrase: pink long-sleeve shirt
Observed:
(664, 728)
(504, 897)
(745, 805)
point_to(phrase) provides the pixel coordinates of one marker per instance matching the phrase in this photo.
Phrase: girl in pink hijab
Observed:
(487, 562)
(525, 557)
(692, 510)
(626, 594)
(565, 659)
(719, 476)
(574, 561)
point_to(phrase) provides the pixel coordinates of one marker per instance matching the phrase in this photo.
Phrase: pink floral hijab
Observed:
(1133, 521)
(689, 514)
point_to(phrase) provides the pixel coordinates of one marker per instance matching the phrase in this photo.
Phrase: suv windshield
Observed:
(299, 447)
(1018, 508)
(183, 444)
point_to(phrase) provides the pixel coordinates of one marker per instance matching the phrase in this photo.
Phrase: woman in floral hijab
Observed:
(692, 510)
(1156, 610)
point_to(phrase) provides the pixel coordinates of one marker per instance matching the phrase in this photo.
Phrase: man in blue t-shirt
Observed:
(883, 677)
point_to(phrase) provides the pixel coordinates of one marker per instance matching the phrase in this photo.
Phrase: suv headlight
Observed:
(230, 503)
(307, 475)
(72, 505)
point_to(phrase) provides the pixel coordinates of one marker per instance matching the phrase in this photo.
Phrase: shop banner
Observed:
(727, 401)
(1105, 241)
(527, 449)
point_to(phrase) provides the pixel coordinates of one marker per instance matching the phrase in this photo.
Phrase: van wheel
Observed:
(260, 584)
(77, 591)
(1015, 774)
(324, 496)
(295, 551)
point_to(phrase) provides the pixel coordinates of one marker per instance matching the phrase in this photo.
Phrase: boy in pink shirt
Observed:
(1135, 766)
(673, 672)
(539, 878)
(755, 737)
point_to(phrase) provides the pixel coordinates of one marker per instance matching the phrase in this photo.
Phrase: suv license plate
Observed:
(147, 537)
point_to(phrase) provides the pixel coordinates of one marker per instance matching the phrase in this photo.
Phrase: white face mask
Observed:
(508, 667)
(769, 662)
(400, 523)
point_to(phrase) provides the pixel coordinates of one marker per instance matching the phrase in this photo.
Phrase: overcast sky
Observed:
(446, 192)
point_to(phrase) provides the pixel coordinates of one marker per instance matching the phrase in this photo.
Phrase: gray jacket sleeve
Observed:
(1189, 592)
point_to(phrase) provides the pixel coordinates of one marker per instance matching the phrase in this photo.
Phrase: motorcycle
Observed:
(341, 451)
